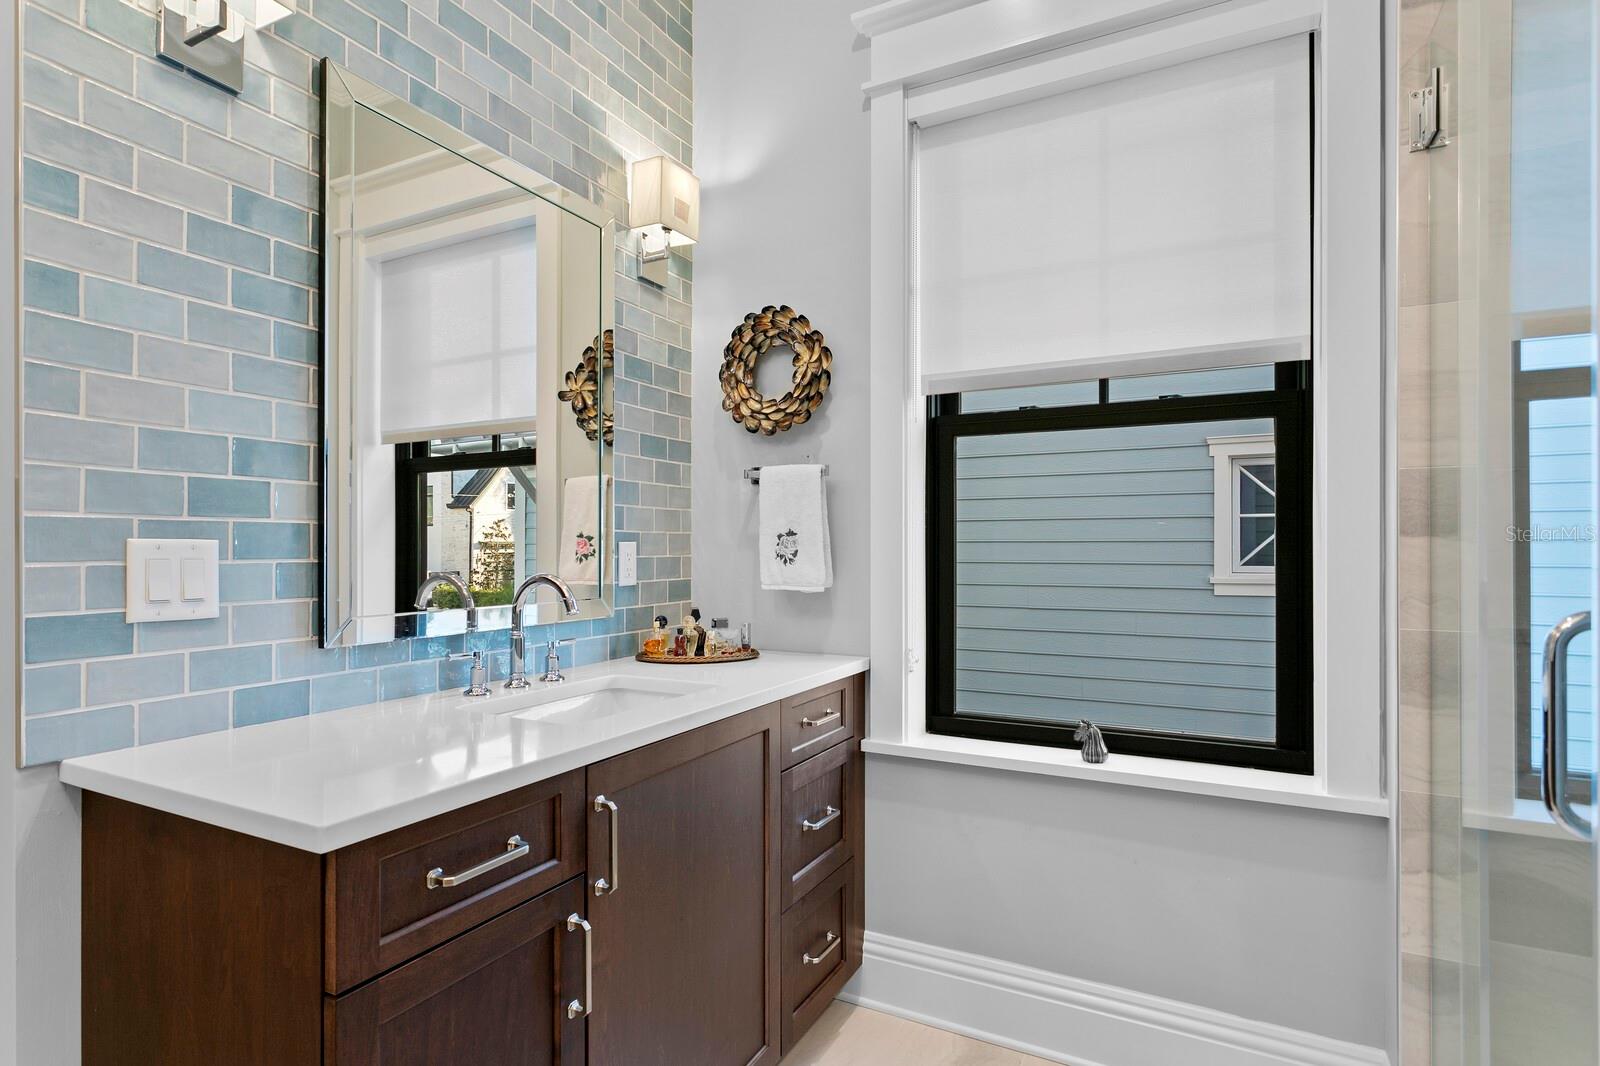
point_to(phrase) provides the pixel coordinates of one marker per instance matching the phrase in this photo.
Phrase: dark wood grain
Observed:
(200, 945)
(801, 741)
(832, 907)
(380, 910)
(809, 790)
(497, 995)
(686, 948)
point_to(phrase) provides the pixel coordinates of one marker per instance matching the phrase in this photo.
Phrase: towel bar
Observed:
(752, 474)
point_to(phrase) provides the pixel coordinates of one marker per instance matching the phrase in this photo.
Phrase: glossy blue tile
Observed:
(251, 292)
(229, 498)
(117, 492)
(62, 736)
(170, 449)
(49, 288)
(246, 582)
(141, 677)
(50, 388)
(411, 679)
(297, 580)
(271, 540)
(59, 637)
(66, 340)
(218, 240)
(184, 633)
(265, 458)
(185, 716)
(51, 188)
(266, 215)
(104, 587)
(229, 329)
(271, 703)
(230, 667)
(52, 688)
(57, 540)
(334, 691)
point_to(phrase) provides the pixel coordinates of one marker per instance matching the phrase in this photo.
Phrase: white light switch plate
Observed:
(627, 562)
(171, 579)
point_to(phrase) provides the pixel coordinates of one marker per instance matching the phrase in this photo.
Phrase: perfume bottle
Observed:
(744, 636)
(680, 643)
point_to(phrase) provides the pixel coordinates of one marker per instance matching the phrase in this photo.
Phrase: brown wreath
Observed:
(583, 389)
(752, 339)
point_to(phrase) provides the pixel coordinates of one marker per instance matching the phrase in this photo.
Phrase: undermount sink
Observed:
(595, 698)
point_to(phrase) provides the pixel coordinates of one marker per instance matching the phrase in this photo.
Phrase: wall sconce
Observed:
(664, 211)
(206, 37)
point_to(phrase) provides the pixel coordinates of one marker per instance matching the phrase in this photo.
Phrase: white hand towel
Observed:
(796, 555)
(581, 500)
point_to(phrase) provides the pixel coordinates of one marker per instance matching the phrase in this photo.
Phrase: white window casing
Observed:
(1231, 574)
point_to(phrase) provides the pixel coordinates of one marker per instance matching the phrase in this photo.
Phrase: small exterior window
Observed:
(1245, 516)
(511, 494)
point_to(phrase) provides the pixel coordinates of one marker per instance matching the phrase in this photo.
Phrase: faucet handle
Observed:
(478, 680)
(552, 659)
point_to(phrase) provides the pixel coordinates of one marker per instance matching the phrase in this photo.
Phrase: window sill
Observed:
(1170, 775)
(1527, 818)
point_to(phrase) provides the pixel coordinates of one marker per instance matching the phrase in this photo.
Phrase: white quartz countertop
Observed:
(321, 782)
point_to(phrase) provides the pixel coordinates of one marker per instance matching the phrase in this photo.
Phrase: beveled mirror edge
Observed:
(359, 629)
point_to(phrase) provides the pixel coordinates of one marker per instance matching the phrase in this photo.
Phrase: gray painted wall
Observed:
(782, 150)
(1272, 912)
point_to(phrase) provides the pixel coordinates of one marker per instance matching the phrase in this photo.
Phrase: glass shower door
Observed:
(1498, 516)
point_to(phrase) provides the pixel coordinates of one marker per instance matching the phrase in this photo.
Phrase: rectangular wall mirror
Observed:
(465, 377)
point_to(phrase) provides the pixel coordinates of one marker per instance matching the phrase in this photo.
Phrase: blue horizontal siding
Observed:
(1083, 584)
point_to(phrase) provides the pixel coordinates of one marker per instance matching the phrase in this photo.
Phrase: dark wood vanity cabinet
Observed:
(694, 901)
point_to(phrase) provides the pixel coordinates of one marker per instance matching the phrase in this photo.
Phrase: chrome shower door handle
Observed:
(1555, 725)
(602, 887)
(584, 1007)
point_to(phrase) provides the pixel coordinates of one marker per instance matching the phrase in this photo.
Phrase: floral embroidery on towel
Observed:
(788, 547)
(583, 548)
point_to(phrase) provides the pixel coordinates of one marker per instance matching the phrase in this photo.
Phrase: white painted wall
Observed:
(781, 153)
(1273, 913)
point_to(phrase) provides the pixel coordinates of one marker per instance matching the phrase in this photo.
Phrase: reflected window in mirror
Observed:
(466, 506)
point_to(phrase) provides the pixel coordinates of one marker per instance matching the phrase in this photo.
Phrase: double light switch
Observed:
(171, 579)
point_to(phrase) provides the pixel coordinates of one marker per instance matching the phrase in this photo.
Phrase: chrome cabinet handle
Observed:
(601, 885)
(811, 827)
(585, 1006)
(812, 723)
(516, 848)
(832, 942)
(1555, 725)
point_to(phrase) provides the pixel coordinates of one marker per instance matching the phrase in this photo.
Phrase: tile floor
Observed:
(854, 1036)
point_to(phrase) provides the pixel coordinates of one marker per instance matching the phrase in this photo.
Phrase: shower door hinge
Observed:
(1427, 107)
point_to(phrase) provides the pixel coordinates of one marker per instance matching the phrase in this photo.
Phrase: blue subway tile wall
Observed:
(169, 337)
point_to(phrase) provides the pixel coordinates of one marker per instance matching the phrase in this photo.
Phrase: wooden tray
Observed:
(743, 655)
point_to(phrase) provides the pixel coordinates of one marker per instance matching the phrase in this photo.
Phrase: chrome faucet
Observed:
(439, 577)
(519, 640)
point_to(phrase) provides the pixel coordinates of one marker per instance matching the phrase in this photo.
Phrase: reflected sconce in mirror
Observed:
(664, 212)
(206, 37)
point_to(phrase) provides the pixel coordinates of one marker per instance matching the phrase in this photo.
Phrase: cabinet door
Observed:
(502, 993)
(686, 924)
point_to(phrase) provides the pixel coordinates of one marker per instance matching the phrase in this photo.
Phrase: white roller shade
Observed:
(1156, 223)
(457, 351)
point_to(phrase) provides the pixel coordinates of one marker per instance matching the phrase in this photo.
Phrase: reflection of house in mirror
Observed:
(480, 526)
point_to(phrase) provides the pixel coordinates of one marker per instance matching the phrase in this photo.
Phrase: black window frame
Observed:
(1289, 405)
(1529, 386)
(413, 462)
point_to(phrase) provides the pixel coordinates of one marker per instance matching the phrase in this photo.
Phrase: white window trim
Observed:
(965, 52)
(1227, 579)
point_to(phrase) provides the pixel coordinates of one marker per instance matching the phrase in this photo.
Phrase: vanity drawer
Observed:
(821, 950)
(393, 897)
(822, 810)
(815, 721)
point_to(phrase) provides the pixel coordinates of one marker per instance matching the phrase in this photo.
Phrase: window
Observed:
(1072, 552)
(477, 532)
(1244, 536)
(1552, 535)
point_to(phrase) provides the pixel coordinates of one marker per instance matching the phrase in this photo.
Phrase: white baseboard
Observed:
(1072, 1021)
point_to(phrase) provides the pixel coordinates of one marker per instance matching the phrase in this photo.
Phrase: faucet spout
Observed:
(439, 577)
(519, 640)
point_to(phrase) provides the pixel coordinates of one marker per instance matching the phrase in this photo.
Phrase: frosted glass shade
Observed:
(665, 200)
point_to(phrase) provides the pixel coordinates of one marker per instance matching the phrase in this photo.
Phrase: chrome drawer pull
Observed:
(811, 827)
(516, 848)
(601, 885)
(816, 960)
(586, 1007)
(827, 719)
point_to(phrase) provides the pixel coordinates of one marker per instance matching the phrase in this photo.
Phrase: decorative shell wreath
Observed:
(583, 389)
(751, 340)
